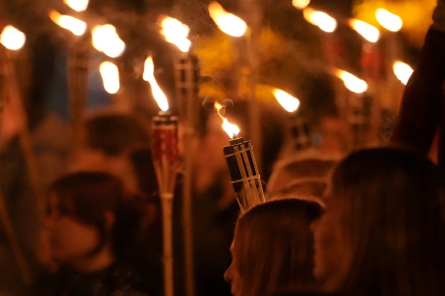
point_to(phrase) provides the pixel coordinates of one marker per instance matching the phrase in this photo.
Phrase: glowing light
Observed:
(320, 19)
(402, 71)
(300, 4)
(388, 20)
(368, 32)
(159, 96)
(231, 129)
(77, 27)
(106, 40)
(110, 77)
(77, 5)
(175, 32)
(227, 22)
(351, 82)
(289, 103)
(12, 39)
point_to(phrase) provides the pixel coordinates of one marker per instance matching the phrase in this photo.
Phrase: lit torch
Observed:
(110, 77)
(77, 27)
(106, 40)
(227, 22)
(12, 39)
(242, 167)
(351, 82)
(367, 31)
(165, 155)
(320, 19)
(77, 5)
(402, 71)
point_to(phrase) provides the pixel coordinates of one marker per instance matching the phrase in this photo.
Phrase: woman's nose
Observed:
(228, 274)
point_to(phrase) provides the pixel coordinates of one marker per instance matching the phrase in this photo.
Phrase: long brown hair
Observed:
(391, 214)
(273, 246)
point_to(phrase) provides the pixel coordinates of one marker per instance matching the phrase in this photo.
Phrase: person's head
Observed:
(89, 215)
(273, 247)
(382, 231)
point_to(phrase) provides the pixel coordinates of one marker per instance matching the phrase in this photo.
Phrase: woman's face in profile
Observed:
(232, 275)
(69, 239)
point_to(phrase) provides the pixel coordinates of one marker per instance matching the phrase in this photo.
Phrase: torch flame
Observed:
(351, 82)
(300, 4)
(231, 129)
(289, 103)
(106, 40)
(77, 5)
(175, 32)
(110, 77)
(159, 96)
(227, 22)
(402, 71)
(368, 32)
(11, 38)
(68, 22)
(320, 19)
(388, 20)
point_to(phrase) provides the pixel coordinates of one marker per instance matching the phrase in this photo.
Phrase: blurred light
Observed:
(388, 20)
(351, 82)
(110, 77)
(106, 40)
(300, 4)
(320, 19)
(77, 27)
(77, 5)
(11, 38)
(159, 96)
(289, 103)
(227, 22)
(368, 32)
(402, 71)
(175, 32)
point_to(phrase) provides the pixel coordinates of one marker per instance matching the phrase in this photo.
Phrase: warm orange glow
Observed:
(77, 5)
(300, 4)
(175, 32)
(388, 20)
(106, 40)
(351, 82)
(320, 19)
(289, 103)
(227, 22)
(12, 39)
(110, 77)
(159, 96)
(77, 27)
(368, 32)
(402, 71)
(231, 129)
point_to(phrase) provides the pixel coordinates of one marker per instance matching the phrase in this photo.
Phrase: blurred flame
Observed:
(402, 71)
(175, 32)
(11, 38)
(351, 82)
(289, 103)
(388, 20)
(231, 129)
(300, 4)
(159, 96)
(320, 19)
(77, 5)
(106, 40)
(368, 32)
(227, 22)
(110, 77)
(68, 22)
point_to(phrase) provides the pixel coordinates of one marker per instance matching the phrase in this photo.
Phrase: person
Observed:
(92, 225)
(272, 248)
(382, 231)
(421, 111)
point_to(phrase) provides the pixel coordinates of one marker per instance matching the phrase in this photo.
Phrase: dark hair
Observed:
(273, 246)
(86, 196)
(391, 210)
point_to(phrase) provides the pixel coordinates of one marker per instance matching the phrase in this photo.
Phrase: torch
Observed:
(244, 174)
(166, 163)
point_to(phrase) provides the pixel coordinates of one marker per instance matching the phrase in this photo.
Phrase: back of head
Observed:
(390, 205)
(273, 246)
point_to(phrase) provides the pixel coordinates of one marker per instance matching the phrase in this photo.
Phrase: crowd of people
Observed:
(370, 222)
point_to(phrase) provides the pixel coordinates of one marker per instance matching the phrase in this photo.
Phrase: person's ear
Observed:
(109, 220)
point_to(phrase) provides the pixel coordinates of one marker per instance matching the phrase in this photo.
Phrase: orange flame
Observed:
(77, 27)
(289, 103)
(368, 32)
(175, 32)
(159, 96)
(402, 71)
(227, 22)
(351, 82)
(388, 20)
(318, 18)
(106, 40)
(77, 5)
(12, 39)
(110, 77)
(231, 129)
